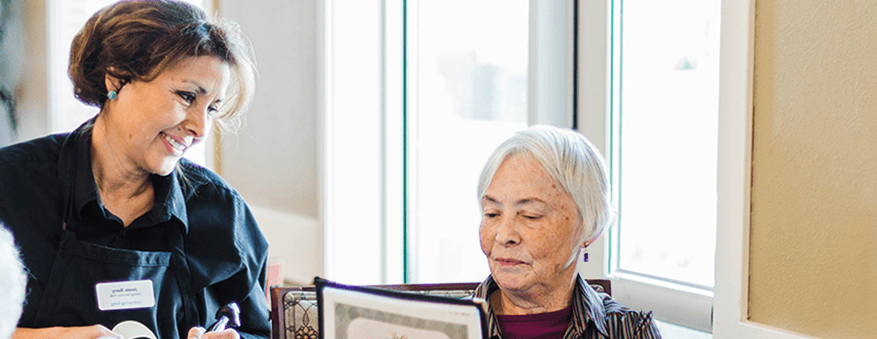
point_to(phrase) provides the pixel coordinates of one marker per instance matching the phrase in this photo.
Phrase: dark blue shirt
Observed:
(47, 184)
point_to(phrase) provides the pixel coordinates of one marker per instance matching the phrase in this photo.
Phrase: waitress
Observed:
(112, 223)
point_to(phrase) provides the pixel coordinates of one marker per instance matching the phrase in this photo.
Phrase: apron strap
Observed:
(60, 267)
(180, 265)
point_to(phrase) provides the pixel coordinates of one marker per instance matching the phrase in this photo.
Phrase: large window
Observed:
(665, 79)
(459, 77)
(467, 92)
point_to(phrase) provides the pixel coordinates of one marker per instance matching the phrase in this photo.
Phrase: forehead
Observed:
(208, 71)
(518, 166)
(521, 176)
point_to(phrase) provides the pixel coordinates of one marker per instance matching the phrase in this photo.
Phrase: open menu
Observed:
(365, 312)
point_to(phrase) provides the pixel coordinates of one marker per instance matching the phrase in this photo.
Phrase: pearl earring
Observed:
(112, 95)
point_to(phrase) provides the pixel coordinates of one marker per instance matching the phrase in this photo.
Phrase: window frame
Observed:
(682, 305)
(729, 305)
(734, 175)
(354, 220)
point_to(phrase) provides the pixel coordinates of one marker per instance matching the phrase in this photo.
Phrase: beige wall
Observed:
(813, 264)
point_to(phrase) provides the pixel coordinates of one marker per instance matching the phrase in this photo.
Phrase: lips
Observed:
(173, 145)
(508, 262)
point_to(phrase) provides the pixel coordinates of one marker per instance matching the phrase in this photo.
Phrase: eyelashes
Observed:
(189, 98)
(525, 215)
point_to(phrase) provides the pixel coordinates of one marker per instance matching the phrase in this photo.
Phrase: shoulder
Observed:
(31, 163)
(37, 150)
(200, 182)
(212, 203)
(613, 308)
(32, 199)
(199, 176)
(223, 236)
(216, 210)
(624, 322)
(611, 318)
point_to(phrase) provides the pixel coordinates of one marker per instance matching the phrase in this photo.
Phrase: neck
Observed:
(536, 300)
(124, 190)
(112, 172)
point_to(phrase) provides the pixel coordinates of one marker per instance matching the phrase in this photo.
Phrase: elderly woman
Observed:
(544, 197)
(113, 225)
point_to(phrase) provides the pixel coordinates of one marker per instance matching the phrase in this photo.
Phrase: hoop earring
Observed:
(112, 95)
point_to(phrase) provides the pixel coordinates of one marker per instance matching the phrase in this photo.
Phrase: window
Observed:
(67, 112)
(663, 155)
(667, 81)
(458, 78)
(415, 233)
(467, 93)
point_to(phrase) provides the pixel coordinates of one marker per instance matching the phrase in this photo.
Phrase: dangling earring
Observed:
(112, 95)
(585, 256)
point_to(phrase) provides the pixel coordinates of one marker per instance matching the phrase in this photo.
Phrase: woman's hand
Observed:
(81, 332)
(198, 333)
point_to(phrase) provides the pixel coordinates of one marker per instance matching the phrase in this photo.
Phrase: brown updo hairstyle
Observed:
(137, 40)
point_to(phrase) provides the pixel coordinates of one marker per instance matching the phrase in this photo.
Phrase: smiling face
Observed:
(151, 124)
(530, 229)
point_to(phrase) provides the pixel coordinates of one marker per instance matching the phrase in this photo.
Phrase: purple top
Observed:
(549, 325)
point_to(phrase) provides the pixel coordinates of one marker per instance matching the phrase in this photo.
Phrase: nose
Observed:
(507, 233)
(198, 122)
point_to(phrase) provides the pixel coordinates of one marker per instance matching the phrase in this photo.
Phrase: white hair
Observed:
(572, 161)
(12, 287)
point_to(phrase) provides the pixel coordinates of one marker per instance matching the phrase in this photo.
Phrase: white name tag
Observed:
(124, 295)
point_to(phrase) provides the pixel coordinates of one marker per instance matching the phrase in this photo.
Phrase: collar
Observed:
(169, 199)
(587, 307)
(75, 170)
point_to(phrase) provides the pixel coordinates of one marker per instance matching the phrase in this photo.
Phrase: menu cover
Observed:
(355, 312)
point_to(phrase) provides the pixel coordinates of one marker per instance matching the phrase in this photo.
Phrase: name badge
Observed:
(124, 295)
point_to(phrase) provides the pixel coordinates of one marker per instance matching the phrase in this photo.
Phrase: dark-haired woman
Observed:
(113, 225)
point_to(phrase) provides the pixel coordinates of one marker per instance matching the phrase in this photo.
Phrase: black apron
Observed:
(70, 297)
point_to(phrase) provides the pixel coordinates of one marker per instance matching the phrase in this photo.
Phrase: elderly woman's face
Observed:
(155, 122)
(529, 228)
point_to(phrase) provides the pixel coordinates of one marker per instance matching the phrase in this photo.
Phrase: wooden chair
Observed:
(294, 308)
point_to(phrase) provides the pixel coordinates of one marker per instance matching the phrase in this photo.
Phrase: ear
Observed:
(592, 240)
(112, 83)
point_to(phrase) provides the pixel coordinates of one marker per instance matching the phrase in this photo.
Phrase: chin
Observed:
(509, 281)
(164, 173)
(166, 168)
